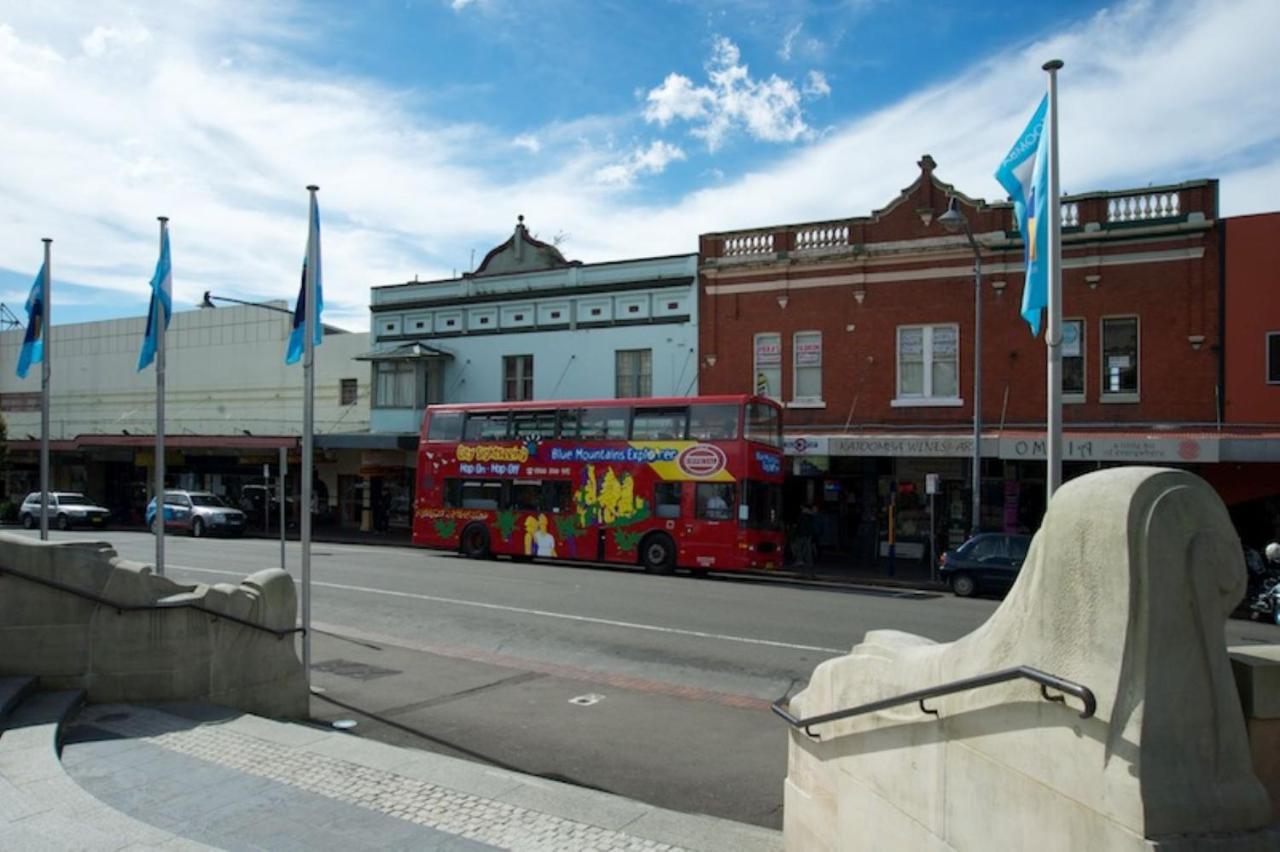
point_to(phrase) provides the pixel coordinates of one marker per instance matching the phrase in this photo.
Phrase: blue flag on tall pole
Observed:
(161, 301)
(33, 341)
(1024, 174)
(297, 340)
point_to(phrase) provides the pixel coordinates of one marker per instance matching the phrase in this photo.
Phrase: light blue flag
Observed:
(33, 341)
(161, 301)
(1025, 176)
(297, 339)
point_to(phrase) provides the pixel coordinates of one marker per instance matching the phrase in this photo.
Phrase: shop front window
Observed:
(1120, 357)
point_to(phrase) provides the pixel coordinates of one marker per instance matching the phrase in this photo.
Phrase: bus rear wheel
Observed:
(475, 542)
(658, 554)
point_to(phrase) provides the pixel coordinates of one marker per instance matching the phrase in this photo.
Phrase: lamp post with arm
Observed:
(954, 220)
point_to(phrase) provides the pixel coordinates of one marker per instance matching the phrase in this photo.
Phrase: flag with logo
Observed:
(33, 341)
(297, 338)
(161, 303)
(1024, 174)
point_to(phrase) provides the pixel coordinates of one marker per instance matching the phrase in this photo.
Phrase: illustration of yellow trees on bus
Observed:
(609, 500)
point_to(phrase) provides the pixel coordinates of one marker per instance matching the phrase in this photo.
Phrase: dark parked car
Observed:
(66, 509)
(985, 562)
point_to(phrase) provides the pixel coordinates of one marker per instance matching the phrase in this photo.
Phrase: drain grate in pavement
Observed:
(352, 669)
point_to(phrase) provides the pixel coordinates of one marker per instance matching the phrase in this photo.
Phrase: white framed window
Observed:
(633, 372)
(766, 364)
(806, 361)
(517, 374)
(1120, 342)
(395, 384)
(928, 365)
(1273, 357)
(1074, 367)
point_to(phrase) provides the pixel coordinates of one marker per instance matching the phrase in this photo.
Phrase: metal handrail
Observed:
(1045, 680)
(122, 608)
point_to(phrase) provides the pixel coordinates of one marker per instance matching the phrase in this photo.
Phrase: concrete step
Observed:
(232, 780)
(12, 691)
(41, 807)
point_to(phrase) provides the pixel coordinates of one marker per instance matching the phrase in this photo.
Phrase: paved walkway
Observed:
(232, 781)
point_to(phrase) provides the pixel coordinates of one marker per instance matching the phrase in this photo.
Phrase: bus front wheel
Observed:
(658, 554)
(475, 542)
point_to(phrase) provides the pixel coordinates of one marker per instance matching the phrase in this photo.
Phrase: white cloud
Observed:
(459, 5)
(642, 161)
(767, 110)
(788, 42)
(527, 141)
(104, 40)
(94, 149)
(816, 85)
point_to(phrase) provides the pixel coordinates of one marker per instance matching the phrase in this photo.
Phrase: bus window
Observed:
(557, 496)
(486, 426)
(445, 426)
(481, 495)
(764, 505)
(658, 424)
(603, 423)
(528, 424)
(666, 499)
(763, 424)
(453, 493)
(569, 422)
(713, 422)
(715, 501)
(526, 495)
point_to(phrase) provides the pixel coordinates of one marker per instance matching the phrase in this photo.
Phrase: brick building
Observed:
(864, 329)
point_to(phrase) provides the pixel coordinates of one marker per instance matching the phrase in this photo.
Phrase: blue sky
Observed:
(623, 129)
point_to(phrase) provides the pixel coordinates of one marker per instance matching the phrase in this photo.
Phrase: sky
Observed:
(618, 129)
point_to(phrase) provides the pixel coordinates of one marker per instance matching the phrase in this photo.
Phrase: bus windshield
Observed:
(764, 424)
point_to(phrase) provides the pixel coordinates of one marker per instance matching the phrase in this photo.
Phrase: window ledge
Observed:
(926, 402)
(1118, 398)
(1073, 398)
(806, 403)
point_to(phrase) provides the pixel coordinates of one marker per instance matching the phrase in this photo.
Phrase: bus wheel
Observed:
(658, 554)
(475, 542)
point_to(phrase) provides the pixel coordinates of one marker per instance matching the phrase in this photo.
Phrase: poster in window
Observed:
(809, 352)
(768, 351)
(1071, 339)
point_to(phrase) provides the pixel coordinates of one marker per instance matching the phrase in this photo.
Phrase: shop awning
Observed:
(413, 351)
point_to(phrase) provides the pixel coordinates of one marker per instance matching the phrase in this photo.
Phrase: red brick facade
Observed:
(1149, 253)
(1252, 315)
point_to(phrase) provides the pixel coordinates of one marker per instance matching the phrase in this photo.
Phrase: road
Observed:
(655, 688)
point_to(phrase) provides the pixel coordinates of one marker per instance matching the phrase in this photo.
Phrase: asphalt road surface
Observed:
(654, 688)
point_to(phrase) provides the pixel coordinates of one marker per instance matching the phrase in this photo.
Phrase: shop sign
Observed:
(901, 445)
(1134, 449)
(805, 445)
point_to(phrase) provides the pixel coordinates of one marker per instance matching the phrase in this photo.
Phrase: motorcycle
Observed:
(1265, 605)
(1263, 598)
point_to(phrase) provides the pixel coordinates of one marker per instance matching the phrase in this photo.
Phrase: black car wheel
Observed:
(475, 542)
(64, 523)
(658, 554)
(28, 521)
(963, 585)
(197, 528)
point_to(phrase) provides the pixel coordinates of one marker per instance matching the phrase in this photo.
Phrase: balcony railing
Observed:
(1144, 207)
(745, 245)
(822, 236)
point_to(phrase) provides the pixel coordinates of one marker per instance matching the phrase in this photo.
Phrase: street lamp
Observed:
(954, 221)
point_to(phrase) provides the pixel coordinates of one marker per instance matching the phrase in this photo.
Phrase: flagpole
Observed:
(1053, 333)
(46, 355)
(161, 322)
(308, 425)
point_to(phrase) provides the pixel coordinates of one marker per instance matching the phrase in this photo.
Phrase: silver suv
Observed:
(67, 509)
(197, 512)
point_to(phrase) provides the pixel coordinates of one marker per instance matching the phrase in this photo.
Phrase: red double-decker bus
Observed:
(688, 482)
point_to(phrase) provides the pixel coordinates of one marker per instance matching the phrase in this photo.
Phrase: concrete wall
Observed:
(224, 373)
(1126, 590)
(155, 655)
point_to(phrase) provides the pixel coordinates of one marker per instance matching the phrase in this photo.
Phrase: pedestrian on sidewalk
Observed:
(805, 545)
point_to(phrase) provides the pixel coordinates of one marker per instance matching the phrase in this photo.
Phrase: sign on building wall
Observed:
(904, 445)
(1171, 449)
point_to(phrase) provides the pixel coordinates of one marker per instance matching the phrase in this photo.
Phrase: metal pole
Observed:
(1053, 335)
(266, 498)
(977, 388)
(161, 321)
(46, 355)
(933, 540)
(308, 363)
(284, 467)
